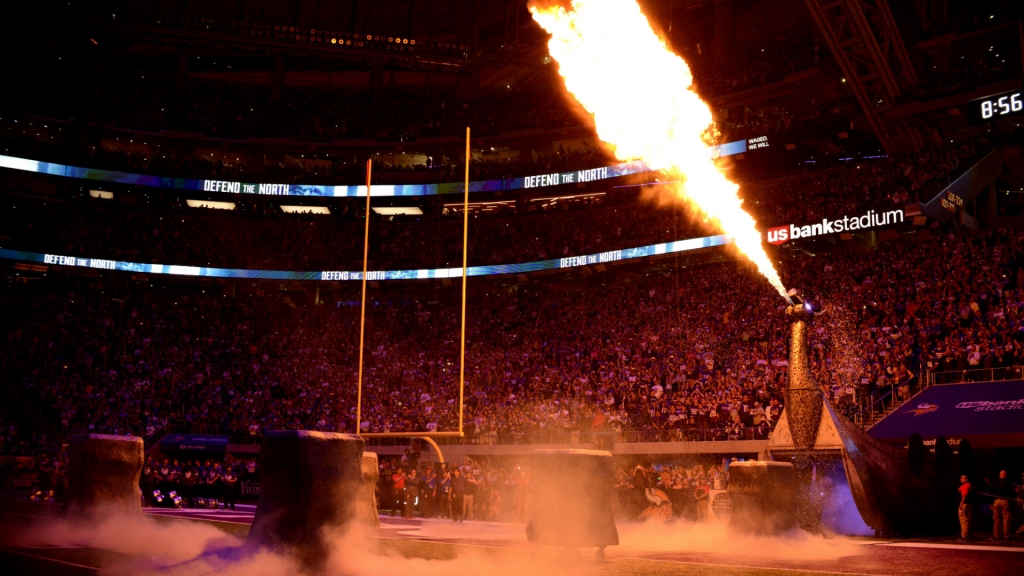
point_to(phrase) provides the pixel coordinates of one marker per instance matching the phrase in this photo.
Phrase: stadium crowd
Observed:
(199, 483)
(657, 355)
(259, 241)
(489, 489)
(498, 490)
(252, 238)
(980, 68)
(878, 183)
(49, 141)
(955, 62)
(756, 66)
(779, 119)
(164, 482)
(967, 17)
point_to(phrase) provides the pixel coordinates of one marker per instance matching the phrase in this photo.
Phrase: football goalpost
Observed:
(428, 437)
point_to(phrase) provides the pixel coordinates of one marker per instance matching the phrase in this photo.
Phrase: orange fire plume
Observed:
(645, 108)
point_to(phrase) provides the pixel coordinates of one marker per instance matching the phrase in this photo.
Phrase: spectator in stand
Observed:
(629, 356)
(240, 162)
(86, 228)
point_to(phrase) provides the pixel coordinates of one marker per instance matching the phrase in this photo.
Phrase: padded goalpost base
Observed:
(763, 496)
(366, 510)
(103, 474)
(572, 499)
(311, 482)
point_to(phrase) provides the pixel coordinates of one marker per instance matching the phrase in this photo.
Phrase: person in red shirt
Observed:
(398, 479)
(966, 511)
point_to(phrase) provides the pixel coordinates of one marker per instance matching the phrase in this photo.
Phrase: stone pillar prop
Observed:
(103, 474)
(803, 396)
(763, 496)
(367, 509)
(311, 482)
(572, 500)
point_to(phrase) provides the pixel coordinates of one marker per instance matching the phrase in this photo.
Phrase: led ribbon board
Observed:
(331, 191)
(375, 275)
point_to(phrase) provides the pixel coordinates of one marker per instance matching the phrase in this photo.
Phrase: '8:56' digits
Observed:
(1003, 106)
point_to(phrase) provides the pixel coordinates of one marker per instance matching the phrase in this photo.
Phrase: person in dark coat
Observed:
(427, 493)
(458, 494)
(228, 483)
(412, 493)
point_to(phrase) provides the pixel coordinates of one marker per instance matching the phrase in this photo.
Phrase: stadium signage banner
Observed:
(331, 191)
(950, 202)
(579, 176)
(373, 275)
(782, 234)
(251, 488)
(970, 410)
(988, 405)
(602, 258)
(243, 188)
(194, 443)
(84, 262)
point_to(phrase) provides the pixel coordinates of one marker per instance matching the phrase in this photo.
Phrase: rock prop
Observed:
(763, 496)
(311, 482)
(103, 474)
(367, 510)
(572, 499)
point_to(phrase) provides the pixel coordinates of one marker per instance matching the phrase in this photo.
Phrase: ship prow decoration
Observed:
(896, 490)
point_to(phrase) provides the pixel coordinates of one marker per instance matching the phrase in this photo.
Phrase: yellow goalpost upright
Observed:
(426, 436)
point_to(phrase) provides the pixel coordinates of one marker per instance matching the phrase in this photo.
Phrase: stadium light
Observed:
(473, 206)
(569, 197)
(398, 210)
(305, 209)
(210, 204)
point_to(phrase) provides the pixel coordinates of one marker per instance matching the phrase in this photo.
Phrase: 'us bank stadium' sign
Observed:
(781, 234)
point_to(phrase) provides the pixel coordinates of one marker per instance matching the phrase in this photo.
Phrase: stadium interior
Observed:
(185, 213)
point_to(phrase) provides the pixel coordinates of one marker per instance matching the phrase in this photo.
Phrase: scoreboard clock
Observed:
(996, 107)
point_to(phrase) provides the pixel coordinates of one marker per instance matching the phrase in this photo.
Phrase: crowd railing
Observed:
(881, 402)
(976, 375)
(884, 401)
(600, 439)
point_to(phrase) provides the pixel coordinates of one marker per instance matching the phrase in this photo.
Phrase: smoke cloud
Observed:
(717, 538)
(841, 515)
(130, 535)
(186, 548)
(488, 532)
